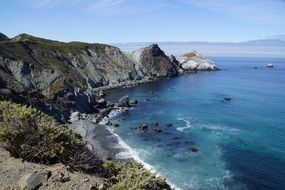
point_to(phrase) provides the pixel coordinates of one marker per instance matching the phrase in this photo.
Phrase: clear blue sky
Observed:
(111, 21)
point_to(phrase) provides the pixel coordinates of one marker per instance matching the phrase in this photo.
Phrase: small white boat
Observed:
(270, 65)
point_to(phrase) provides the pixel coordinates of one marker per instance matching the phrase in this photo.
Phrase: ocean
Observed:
(240, 143)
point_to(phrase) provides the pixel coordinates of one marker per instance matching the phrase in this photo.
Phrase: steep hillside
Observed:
(45, 65)
(53, 75)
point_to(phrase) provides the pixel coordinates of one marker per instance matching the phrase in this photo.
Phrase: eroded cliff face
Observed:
(52, 75)
(45, 65)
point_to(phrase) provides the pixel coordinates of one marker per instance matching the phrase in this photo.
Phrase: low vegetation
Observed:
(133, 176)
(193, 54)
(33, 136)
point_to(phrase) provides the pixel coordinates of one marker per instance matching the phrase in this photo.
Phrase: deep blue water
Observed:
(241, 143)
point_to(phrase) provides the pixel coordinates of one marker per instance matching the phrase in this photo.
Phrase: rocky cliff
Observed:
(55, 76)
(61, 73)
(45, 65)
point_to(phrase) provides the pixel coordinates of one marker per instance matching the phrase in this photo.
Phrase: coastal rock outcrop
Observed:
(124, 102)
(194, 61)
(153, 62)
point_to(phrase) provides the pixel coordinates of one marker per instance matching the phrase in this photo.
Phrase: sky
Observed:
(121, 21)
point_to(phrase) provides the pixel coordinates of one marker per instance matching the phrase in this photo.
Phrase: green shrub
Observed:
(29, 134)
(133, 176)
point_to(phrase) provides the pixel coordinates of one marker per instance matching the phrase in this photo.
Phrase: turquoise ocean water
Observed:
(241, 142)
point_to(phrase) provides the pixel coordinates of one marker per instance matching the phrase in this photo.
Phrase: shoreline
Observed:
(95, 145)
(132, 152)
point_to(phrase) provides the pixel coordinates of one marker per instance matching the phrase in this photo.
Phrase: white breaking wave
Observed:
(130, 152)
(217, 128)
(188, 125)
(111, 115)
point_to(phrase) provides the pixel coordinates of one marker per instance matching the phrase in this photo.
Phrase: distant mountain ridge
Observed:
(254, 48)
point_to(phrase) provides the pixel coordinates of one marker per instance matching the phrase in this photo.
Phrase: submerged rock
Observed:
(143, 127)
(157, 130)
(193, 150)
(168, 125)
(227, 98)
(155, 123)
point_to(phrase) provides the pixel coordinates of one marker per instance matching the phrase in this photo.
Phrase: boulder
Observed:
(116, 125)
(124, 102)
(59, 177)
(110, 104)
(143, 127)
(155, 123)
(33, 181)
(157, 130)
(168, 125)
(101, 94)
(193, 150)
(227, 98)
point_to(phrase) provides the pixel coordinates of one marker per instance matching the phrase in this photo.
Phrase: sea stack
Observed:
(194, 61)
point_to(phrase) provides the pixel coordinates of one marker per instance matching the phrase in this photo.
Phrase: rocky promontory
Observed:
(194, 61)
(153, 62)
